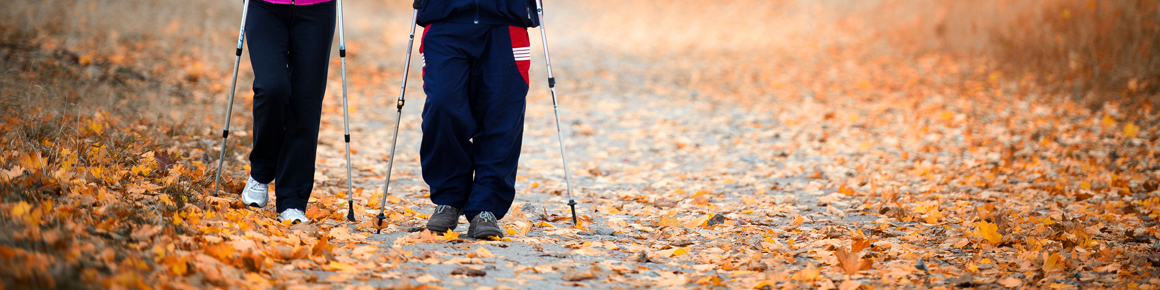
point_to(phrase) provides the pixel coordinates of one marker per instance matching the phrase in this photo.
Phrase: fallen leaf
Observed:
(989, 232)
(578, 275)
(468, 272)
(1011, 282)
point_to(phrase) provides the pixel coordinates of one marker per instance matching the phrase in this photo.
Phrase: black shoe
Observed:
(484, 226)
(445, 218)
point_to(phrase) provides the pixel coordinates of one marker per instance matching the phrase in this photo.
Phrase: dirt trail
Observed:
(749, 144)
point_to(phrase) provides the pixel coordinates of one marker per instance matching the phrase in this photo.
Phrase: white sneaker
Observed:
(255, 194)
(294, 215)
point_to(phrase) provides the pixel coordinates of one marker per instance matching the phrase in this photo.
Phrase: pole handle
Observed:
(418, 4)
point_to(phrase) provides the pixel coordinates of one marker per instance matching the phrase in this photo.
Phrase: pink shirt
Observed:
(296, 2)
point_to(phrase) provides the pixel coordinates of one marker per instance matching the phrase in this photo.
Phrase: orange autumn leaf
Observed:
(450, 235)
(322, 248)
(1131, 130)
(989, 232)
(669, 220)
(850, 261)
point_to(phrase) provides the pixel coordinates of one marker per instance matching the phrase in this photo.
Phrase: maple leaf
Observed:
(674, 252)
(221, 251)
(450, 235)
(808, 274)
(32, 161)
(669, 220)
(1130, 130)
(851, 262)
(317, 213)
(698, 222)
(989, 232)
(845, 190)
(1054, 262)
(322, 248)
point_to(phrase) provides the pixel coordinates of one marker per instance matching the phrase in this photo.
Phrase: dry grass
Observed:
(1078, 46)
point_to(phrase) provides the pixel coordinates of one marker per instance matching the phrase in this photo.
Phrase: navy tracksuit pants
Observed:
(289, 50)
(476, 80)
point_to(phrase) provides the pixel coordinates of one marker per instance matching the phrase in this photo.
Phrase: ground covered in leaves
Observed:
(825, 163)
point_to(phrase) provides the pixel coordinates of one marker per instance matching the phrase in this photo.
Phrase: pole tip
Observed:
(350, 211)
(379, 224)
(572, 203)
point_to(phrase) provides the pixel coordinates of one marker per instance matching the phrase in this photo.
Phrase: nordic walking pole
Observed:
(230, 105)
(345, 116)
(555, 108)
(398, 119)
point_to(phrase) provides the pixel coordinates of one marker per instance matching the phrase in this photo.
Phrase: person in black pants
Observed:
(289, 42)
(476, 57)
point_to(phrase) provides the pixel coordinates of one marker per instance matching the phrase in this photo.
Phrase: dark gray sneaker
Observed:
(444, 218)
(484, 227)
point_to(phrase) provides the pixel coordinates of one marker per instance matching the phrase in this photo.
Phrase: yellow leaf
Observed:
(340, 267)
(798, 221)
(21, 209)
(1130, 130)
(450, 235)
(166, 200)
(1108, 121)
(989, 231)
(934, 215)
(95, 127)
(86, 59)
(1053, 262)
(669, 220)
(393, 199)
(674, 252)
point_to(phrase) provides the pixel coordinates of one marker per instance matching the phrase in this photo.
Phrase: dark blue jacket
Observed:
(520, 13)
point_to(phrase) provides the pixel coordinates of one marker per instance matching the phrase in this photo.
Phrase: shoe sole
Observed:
(437, 230)
(486, 235)
(251, 203)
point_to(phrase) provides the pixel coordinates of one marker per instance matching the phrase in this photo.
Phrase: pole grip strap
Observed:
(552, 82)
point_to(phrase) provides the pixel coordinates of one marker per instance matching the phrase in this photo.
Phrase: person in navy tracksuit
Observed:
(476, 56)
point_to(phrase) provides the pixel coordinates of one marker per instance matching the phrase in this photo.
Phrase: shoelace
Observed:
(257, 185)
(440, 208)
(487, 216)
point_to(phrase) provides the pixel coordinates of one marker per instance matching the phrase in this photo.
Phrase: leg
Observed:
(311, 34)
(502, 98)
(268, 42)
(445, 152)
